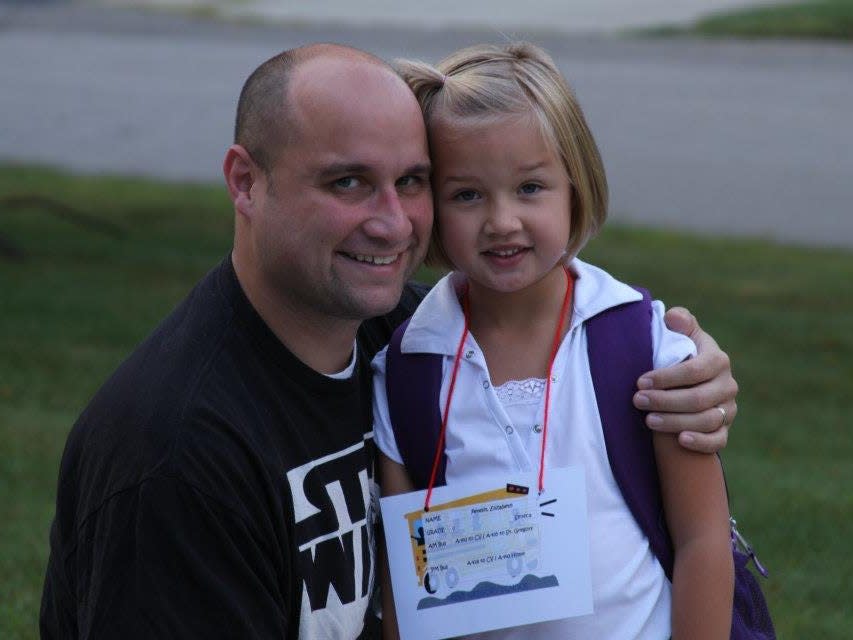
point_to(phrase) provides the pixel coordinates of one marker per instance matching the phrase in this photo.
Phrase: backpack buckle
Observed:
(741, 543)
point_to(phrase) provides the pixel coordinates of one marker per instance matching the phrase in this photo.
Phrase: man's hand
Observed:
(695, 398)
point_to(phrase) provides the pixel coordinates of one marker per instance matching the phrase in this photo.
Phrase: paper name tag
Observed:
(489, 554)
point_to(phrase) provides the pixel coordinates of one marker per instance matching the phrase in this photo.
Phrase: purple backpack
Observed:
(620, 350)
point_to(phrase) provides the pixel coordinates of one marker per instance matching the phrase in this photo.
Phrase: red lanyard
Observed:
(458, 358)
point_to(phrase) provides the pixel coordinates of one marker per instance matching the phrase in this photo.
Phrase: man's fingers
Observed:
(689, 400)
(705, 422)
(704, 366)
(704, 442)
(681, 321)
(695, 398)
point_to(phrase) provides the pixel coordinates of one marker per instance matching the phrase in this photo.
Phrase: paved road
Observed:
(720, 137)
(504, 15)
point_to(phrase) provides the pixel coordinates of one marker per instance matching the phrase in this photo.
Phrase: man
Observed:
(219, 483)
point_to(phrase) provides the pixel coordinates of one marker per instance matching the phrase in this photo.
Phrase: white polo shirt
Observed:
(631, 595)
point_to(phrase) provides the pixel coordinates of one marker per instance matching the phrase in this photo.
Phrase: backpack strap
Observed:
(620, 350)
(413, 385)
(619, 344)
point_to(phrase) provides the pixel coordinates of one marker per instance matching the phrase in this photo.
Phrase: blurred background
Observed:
(726, 131)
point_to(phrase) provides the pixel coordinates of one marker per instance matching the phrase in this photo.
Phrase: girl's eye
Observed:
(466, 195)
(530, 188)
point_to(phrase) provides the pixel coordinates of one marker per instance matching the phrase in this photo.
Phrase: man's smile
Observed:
(369, 259)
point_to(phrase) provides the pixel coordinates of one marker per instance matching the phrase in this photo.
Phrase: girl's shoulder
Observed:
(597, 291)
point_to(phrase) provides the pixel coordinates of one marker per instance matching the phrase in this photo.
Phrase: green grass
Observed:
(815, 19)
(69, 313)
(80, 300)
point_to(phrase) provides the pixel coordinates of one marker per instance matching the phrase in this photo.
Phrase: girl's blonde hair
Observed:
(517, 78)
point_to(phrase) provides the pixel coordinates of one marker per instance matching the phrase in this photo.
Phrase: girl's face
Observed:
(502, 199)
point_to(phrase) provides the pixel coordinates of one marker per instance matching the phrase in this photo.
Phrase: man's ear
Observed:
(241, 172)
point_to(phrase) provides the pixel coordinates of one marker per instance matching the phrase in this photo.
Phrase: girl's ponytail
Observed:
(423, 79)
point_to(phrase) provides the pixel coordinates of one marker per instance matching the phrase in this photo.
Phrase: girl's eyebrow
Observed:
(459, 179)
(525, 168)
(532, 167)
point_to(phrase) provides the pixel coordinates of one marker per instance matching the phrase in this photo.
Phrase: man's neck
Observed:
(322, 342)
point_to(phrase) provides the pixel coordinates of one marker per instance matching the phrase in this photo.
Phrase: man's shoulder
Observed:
(163, 371)
(131, 424)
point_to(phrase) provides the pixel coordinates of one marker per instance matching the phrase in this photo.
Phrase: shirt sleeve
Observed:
(383, 433)
(164, 560)
(668, 347)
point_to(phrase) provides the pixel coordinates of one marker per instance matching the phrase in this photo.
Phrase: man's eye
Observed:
(349, 182)
(409, 181)
(466, 195)
(530, 188)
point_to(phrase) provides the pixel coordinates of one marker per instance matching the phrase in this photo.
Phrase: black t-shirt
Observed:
(216, 486)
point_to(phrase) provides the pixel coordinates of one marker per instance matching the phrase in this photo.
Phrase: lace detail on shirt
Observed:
(521, 391)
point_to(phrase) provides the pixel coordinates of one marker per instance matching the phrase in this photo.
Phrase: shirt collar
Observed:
(438, 322)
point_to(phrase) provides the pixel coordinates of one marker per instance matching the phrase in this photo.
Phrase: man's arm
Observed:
(695, 398)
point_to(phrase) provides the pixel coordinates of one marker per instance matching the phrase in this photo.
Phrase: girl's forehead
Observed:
(449, 125)
(449, 133)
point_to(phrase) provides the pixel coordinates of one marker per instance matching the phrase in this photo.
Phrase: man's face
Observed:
(346, 211)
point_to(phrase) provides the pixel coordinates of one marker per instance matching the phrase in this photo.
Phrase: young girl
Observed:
(519, 189)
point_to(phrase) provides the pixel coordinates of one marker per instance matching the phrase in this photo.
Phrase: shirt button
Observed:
(553, 378)
(537, 428)
(485, 384)
(470, 354)
(508, 429)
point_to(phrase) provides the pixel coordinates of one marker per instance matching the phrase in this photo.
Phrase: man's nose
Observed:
(390, 219)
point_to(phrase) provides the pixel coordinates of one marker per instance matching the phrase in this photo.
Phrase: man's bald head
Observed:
(265, 119)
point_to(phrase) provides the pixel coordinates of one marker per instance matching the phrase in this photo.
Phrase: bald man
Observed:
(219, 484)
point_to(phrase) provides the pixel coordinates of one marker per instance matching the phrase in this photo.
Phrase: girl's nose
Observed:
(502, 220)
